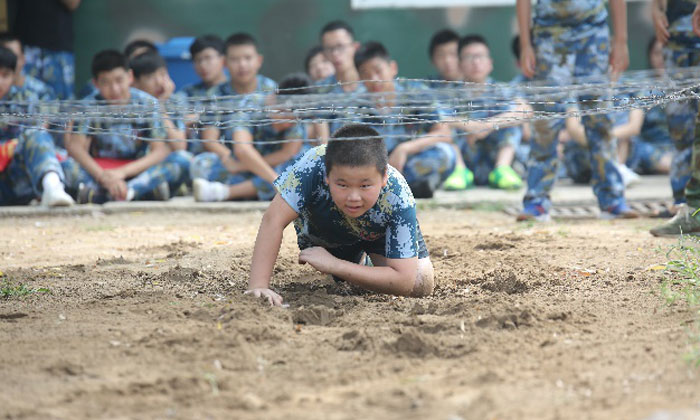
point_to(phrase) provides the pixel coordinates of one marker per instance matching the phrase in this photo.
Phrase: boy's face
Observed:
(339, 48)
(382, 71)
(446, 61)
(114, 84)
(243, 62)
(355, 189)
(208, 64)
(7, 77)
(320, 68)
(155, 84)
(475, 62)
(16, 48)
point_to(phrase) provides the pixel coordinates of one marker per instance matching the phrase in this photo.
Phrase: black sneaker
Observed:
(90, 195)
(422, 189)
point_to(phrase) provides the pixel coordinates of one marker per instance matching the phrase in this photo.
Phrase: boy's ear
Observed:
(385, 178)
(130, 76)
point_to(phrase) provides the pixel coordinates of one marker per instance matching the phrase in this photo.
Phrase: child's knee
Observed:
(425, 278)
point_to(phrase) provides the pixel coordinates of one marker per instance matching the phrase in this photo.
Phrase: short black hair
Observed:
(334, 26)
(441, 37)
(515, 46)
(297, 83)
(240, 38)
(313, 52)
(471, 39)
(108, 60)
(370, 50)
(6, 37)
(368, 150)
(203, 42)
(8, 59)
(136, 44)
(146, 63)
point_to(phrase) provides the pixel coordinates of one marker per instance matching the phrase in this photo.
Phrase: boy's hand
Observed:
(619, 58)
(273, 298)
(398, 158)
(527, 61)
(696, 20)
(661, 24)
(113, 181)
(318, 258)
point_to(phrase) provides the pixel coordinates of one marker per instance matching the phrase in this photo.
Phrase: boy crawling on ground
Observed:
(345, 201)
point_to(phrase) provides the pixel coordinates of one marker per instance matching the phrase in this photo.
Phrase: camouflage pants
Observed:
(55, 68)
(208, 166)
(34, 157)
(681, 117)
(558, 61)
(174, 170)
(481, 157)
(433, 165)
(692, 189)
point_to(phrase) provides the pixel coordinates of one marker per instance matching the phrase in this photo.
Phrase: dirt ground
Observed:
(145, 317)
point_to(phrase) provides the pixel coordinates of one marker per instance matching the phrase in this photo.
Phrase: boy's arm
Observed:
(632, 128)
(177, 137)
(438, 133)
(619, 54)
(576, 130)
(267, 245)
(696, 19)
(398, 277)
(527, 53)
(250, 158)
(658, 17)
(285, 153)
(157, 153)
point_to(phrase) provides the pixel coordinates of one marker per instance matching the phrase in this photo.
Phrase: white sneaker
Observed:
(629, 177)
(205, 191)
(56, 197)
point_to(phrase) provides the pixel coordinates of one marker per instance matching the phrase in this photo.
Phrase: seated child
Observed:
(317, 65)
(489, 147)
(230, 178)
(345, 202)
(444, 57)
(419, 145)
(28, 164)
(123, 157)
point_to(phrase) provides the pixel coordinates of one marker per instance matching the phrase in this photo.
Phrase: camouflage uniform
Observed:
(110, 139)
(34, 155)
(192, 97)
(432, 165)
(389, 228)
(571, 40)
(337, 96)
(652, 144)
(55, 68)
(682, 50)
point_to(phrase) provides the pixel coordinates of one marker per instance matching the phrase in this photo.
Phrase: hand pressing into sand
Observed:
(272, 297)
(318, 257)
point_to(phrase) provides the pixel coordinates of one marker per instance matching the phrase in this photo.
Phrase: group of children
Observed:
(133, 137)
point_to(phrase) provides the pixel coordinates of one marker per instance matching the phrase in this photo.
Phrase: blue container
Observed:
(176, 53)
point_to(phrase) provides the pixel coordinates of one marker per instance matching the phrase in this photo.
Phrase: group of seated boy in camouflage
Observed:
(221, 157)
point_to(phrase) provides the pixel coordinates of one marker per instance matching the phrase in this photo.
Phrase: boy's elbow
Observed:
(423, 281)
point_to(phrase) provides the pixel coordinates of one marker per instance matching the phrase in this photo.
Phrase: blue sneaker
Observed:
(533, 212)
(620, 211)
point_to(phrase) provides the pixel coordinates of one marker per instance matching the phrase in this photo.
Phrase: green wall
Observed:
(286, 29)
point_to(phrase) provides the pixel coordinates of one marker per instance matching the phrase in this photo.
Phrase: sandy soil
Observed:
(145, 318)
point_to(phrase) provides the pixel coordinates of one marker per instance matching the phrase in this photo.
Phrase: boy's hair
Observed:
(6, 37)
(441, 37)
(313, 52)
(108, 60)
(8, 59)
(295, 84)
(146, 63)
(370, 150)
(139, 43)
(370, 50)
(334, 26)
(240, 38)
(471, 39)
(203, 42)
(515, 46)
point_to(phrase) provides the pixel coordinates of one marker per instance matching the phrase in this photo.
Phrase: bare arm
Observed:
(211, 143)
(78, 146)
(658, 17)
(267, 246)
(632, 128)
(619, 54)
(157, 153)
(576, 130)
(527, 53)
(177, 137)
(250, 158)
(439, 133)
(285, 153)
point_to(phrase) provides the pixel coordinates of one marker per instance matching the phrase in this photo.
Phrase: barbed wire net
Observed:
(498, 104)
